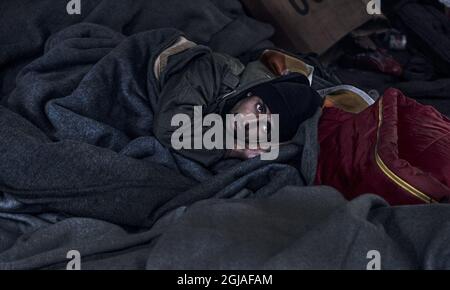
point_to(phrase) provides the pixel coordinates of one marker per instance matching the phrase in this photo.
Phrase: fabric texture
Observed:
(295, 228)
(77, 124)
(81, 168)
(305, 228)
(427, 28)
(222, 25)
(396, 148)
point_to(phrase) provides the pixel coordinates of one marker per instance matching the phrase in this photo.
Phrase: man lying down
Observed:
(393, 147)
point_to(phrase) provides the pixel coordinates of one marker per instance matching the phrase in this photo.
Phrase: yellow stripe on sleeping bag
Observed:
(391, 175)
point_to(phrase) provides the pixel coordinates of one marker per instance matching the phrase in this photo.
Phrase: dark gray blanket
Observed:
(81, 170)
(76, 122)
(77, 127)
(25, 26)
(295, 228)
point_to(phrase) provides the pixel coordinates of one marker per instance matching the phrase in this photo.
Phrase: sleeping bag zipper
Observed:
(389, 173)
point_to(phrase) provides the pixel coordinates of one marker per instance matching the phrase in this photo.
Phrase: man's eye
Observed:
(261, 108)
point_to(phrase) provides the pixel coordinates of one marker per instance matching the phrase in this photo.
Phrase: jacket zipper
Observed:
(391, 175)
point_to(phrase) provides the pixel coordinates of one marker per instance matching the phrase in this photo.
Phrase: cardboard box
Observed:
(309, 25)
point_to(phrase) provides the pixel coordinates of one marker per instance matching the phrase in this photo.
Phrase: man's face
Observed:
(255, 108)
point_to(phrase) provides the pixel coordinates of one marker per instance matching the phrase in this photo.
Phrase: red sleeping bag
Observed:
(396, 148)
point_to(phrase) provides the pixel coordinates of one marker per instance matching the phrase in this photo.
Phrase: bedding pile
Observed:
(81, 170)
